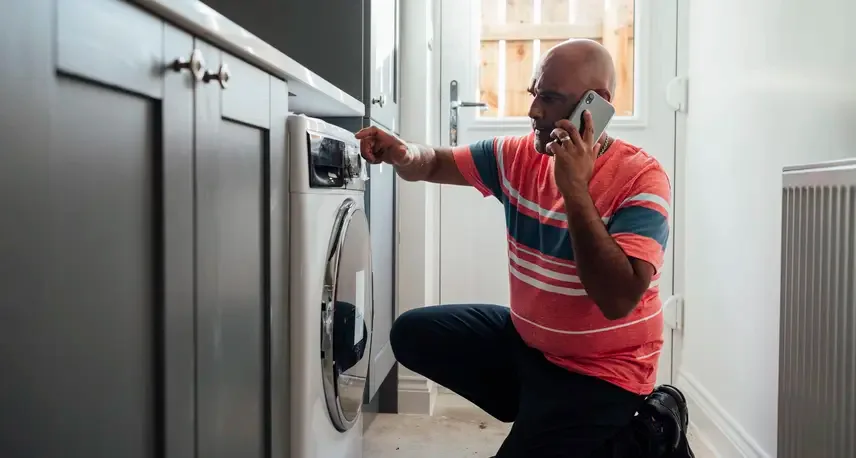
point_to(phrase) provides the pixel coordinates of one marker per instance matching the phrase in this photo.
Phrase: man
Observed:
(573, 361)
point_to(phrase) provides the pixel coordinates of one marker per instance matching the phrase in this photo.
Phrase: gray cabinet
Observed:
(136, 253)
(235, 136)
(353, 44)
(383, 68)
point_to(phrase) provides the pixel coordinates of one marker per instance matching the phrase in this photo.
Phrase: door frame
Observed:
(639, 120)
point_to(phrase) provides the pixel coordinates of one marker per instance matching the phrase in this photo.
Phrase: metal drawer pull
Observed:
(196, 65)
(222, 76)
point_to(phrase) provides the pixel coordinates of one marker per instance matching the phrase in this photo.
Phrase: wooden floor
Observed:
(458, 429)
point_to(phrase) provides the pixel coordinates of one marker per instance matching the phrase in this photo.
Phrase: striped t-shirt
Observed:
(549, 306)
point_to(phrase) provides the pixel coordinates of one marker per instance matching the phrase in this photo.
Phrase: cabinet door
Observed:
(96, 263)
(383, 71)
(380, 198)
(240, 138)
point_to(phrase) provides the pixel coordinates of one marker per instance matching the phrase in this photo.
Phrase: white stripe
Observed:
(563, 290)
(649, 355)
(521, 201)
(544, 286)
(520, 247)
(590, 331)
(561, 216)
(550, 273)
(648, 197)
(542, 271)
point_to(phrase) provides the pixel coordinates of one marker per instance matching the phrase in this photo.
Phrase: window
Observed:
(516, 33)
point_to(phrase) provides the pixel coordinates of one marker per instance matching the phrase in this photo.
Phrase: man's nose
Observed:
(535, 111)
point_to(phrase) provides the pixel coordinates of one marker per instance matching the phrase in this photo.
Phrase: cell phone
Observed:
(601, 113)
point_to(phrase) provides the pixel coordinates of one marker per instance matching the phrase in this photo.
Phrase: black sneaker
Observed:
(665, 419)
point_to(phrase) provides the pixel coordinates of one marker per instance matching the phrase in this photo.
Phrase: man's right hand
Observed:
(378, 146)
(412, 162)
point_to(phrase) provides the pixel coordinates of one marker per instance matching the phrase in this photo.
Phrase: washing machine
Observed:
(330, 309)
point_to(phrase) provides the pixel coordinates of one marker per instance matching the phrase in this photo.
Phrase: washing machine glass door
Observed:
(346, 316)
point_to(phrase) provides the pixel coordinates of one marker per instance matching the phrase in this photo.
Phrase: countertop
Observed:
(310, 94)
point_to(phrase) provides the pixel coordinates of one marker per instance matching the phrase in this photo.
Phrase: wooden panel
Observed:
(518, 75)
(555, 11)
(556, 31)
(490, 11)
(489, 78)
(619, 40)
(519, 11)
(489, 56)
(587, 12)
(518, 59)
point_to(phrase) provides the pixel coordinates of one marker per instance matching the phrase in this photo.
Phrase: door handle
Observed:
(454, 104)
(379, 100)
(459, 104)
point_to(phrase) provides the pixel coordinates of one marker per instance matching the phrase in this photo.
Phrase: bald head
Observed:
(565, 73)
(586, 60)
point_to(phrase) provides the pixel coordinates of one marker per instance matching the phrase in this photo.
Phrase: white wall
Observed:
(771, 83)
(418, 203)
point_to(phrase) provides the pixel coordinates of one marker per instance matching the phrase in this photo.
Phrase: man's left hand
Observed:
(575, 155)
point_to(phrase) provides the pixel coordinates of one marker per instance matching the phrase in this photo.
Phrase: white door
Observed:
(489, 49)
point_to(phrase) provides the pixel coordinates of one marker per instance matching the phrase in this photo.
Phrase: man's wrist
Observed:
(577, 199)
(575, 191)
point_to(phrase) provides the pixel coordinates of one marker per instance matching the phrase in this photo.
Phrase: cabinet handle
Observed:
(196, 64)
(222, 76)
(379, 100)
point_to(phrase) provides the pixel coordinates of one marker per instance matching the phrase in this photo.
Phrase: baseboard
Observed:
(713, 427)
(416, 395)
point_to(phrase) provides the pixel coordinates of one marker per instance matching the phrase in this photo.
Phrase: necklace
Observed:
(606, 144)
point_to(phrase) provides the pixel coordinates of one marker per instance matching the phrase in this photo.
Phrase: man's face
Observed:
(553, 99)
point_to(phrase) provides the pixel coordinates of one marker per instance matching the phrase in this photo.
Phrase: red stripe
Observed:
(466, 165)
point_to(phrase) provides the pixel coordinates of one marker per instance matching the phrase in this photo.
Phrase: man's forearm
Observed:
(426, 163)
(418, 164)
(604, 269)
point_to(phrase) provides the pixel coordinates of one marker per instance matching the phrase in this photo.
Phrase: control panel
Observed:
(333, 163)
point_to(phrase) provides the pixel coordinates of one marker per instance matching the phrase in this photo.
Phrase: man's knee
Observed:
(404, 333)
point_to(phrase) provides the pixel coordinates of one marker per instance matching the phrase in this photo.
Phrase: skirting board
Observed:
(416, 395)
(713, 427)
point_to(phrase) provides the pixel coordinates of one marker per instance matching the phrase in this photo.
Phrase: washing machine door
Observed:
(346, 316)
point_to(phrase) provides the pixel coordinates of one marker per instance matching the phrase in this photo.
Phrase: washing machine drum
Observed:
(348, 348)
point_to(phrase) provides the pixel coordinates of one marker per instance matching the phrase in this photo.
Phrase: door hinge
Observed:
(673, 312)
(677, 93)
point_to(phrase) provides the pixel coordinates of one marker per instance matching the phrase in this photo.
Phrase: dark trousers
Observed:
(475, 351)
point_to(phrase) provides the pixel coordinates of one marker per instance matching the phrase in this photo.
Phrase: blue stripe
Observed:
(529, 232)
(484, 157)
(640, 221)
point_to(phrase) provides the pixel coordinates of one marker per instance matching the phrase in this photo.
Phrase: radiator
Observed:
(817, 334)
